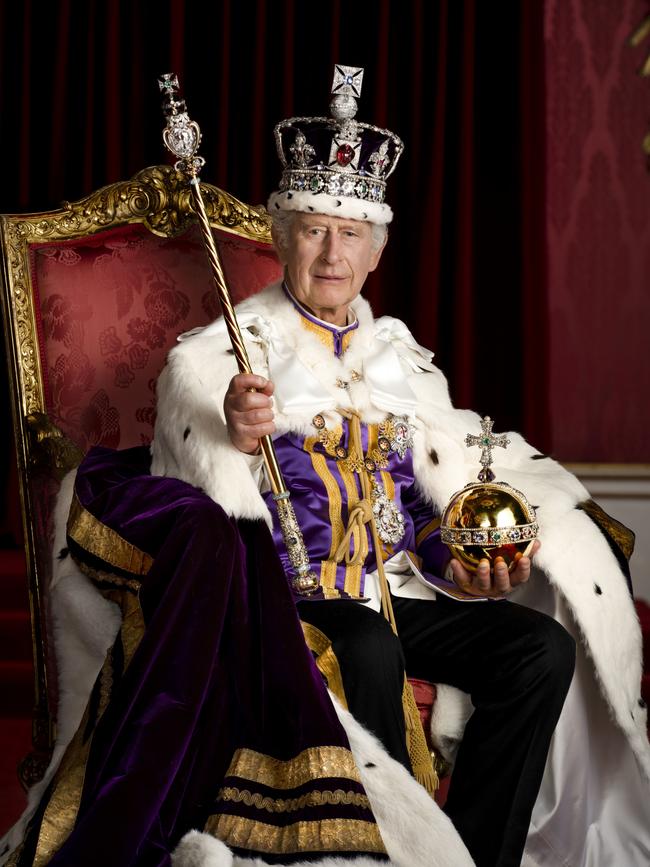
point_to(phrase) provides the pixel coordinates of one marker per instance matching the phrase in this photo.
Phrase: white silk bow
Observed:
(299, 392)
(383, 370)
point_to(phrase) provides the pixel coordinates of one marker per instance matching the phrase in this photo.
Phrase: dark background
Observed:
(464, 83)
(80, 108)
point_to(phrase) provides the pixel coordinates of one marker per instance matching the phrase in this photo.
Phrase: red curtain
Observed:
(461, 82)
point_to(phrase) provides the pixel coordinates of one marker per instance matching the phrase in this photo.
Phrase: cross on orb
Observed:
(486, 442)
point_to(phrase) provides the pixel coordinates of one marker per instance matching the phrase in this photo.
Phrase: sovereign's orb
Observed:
(488, 520)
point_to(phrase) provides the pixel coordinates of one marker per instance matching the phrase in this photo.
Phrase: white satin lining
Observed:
(592, 809)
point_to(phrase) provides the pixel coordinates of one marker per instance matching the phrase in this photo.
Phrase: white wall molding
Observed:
(623, 491)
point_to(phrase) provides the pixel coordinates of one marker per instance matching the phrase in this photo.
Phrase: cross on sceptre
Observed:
(487, 441)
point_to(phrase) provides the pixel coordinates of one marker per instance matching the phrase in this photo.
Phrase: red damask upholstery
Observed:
(424, 694)
(110, 307)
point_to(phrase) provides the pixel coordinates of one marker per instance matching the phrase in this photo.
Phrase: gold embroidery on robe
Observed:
(621, 535)
(352, 581)
(326, 336)
(103, 542)
(326, 835)
(312, 763)
(326, 660)
(61, 812)
(319, 463)
(288, 805)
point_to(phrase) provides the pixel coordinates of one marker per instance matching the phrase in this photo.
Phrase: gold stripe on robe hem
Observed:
(321, 835)
(105, 543)
(325, 835)
(313, 763)
(60, 815)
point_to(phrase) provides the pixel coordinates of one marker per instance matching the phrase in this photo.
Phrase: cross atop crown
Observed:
(347, 80)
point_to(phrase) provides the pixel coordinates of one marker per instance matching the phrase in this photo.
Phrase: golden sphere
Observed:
(488, 520)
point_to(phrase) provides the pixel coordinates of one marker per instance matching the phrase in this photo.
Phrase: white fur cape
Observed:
(594, 805)
(577, 578)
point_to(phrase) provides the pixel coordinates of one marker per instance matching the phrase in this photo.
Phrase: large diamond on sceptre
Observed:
(488, 519)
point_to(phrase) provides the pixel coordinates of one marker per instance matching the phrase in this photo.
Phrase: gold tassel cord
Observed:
(419, 754)
(359, 516)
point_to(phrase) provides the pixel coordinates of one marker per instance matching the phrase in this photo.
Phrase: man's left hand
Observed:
(497, 583)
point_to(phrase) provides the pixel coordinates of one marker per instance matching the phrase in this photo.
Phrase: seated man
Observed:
(208, 711)
(371, 451)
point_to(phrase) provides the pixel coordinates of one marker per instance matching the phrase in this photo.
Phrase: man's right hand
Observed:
(249, 414)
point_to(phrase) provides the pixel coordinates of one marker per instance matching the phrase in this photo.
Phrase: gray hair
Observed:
(282, 221)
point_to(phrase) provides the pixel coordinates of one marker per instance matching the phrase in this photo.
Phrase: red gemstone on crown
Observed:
(345, 155)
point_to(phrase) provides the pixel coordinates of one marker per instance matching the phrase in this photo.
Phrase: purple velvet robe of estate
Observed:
(196, 680)
(197, 676)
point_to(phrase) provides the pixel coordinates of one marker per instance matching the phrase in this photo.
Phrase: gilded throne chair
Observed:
(94, 297)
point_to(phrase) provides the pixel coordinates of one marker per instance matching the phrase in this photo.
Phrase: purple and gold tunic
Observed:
(322, 472)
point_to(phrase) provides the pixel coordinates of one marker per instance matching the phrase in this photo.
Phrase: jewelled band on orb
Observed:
(489, 535)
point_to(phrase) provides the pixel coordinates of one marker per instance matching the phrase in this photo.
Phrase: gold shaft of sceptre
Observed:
(266, 444)
(182, 137)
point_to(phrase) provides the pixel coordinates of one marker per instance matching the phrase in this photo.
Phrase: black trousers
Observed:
(515, 663)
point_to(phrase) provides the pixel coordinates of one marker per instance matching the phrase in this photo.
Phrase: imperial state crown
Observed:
(336, 165)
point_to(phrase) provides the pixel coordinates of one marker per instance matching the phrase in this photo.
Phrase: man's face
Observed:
(327, 260)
